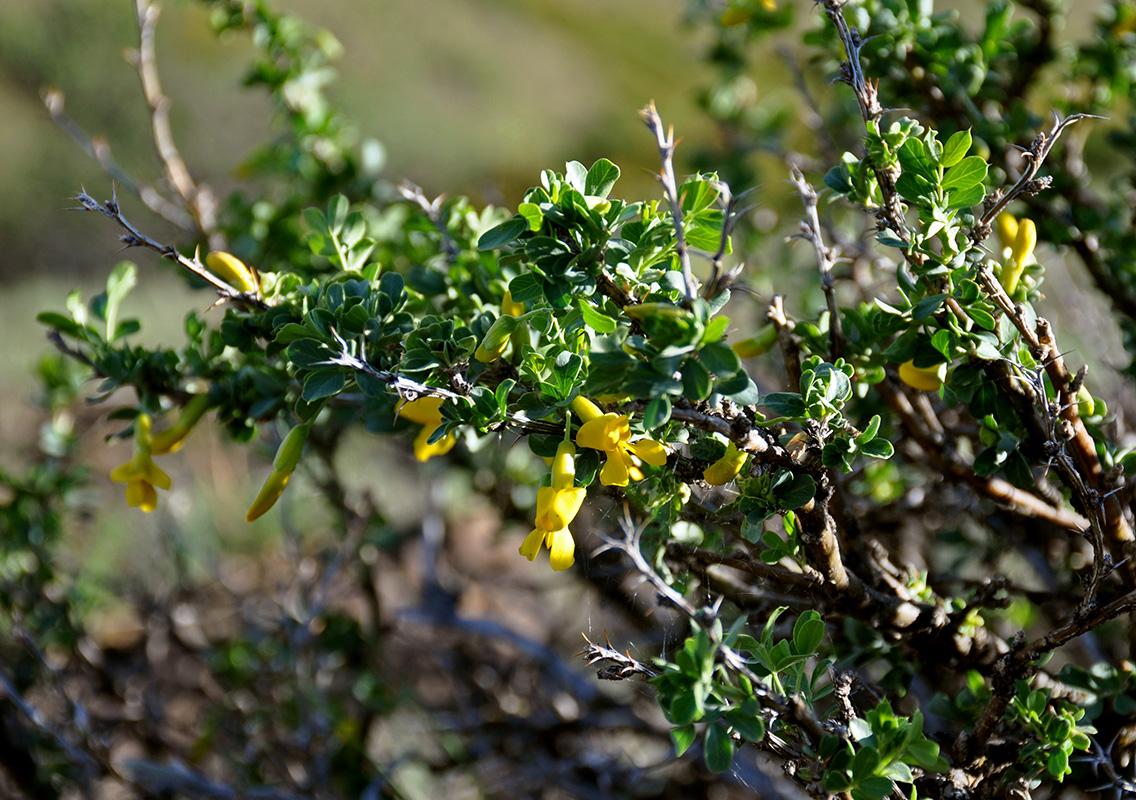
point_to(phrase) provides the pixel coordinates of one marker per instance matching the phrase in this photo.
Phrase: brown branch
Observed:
(135, 238)
(810, 229)
(98, 149)
(198, 198)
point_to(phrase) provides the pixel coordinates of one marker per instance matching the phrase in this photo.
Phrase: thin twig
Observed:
(1034, 156)
(198, 198)
(731, 213)
(810, 229)
(413, 193)
(135, 238)
(98, 149)
(666, 143)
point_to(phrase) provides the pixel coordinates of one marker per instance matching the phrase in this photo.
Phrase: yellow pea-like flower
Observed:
(925, 379)
(1025, 240)
(427, 412)
(233, 271)
(140, 474)
(726, 468)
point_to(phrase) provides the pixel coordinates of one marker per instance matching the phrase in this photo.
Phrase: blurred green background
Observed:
(467, 96)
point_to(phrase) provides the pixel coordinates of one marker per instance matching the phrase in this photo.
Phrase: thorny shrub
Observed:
(877, 563)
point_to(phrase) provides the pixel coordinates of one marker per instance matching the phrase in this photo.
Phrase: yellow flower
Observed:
(427, 412)
(925, 379)
(1006, 226)
(172, 438)
(233, 271)
(556, 506)
(611, 433)
(1025, 239)
(510, 306)
(140, 474)
(726, 468)
(283, 465)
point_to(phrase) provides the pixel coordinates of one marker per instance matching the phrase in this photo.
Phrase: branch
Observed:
(198, 199)
(810, 229)
(413, 193)
(1034, 156)
(98, 149)
(135, 238)
(666, 177)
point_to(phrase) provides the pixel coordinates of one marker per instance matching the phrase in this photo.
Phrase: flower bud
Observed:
(233, 271)
(288, 454)
(586, 408)
(1006, 226)
(496, 339)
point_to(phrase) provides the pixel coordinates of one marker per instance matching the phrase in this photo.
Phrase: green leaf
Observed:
(576, 175)
(808, 633)
(927, 306)
(594, 318)
(913, 158)
(875, 787)
(1058, 764)
(526, 288)
(657, 413)
(54, 320)
(696, 380)
(784, 404)
(719, 751)
(601, 178)
(337, 209)
(955, 148)
(502, 234)
(719, 359)
(971, 171)
(798, 492)
(966, 198)
(683, 738)
(323, 384)
(121, 280)
(316, 221)
(750, 726)
(686, 707)
(878, 448)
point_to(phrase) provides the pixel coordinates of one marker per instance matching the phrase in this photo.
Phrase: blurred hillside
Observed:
(474, 97)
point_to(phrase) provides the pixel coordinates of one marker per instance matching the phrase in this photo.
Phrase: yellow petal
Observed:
(650, 451)
(510, 306)
(424, 451)
(232, 270)
(925, 379)
(140, 494)
(605, 432)
(424, 410)
(615, 472)
(1006, 226)
(269, 494)
(152, 474)
(560, 508)
(585, 408)
(531, 545)
(562, 549)
(124, 473)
